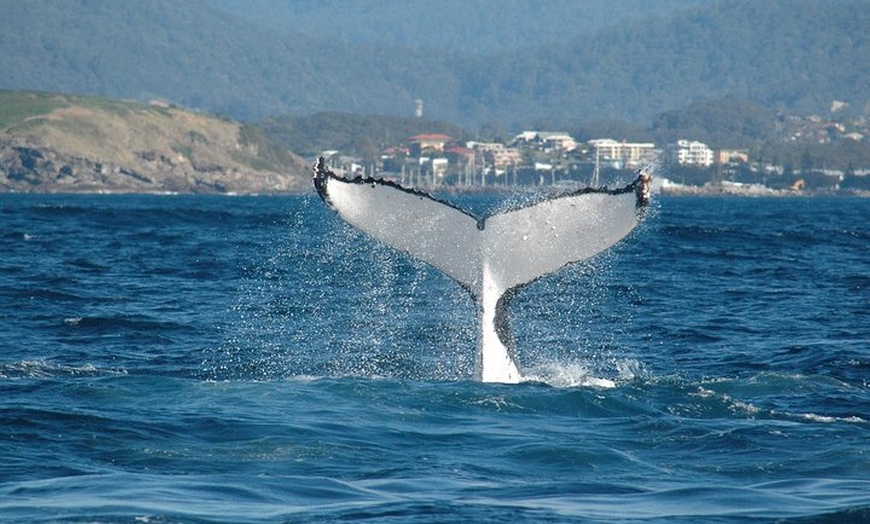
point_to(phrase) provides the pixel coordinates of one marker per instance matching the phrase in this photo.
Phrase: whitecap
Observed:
(827, 419)
(733, 404)
(562, 375)
(41, 368)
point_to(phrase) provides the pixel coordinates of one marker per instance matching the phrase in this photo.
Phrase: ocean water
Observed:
(253, 359)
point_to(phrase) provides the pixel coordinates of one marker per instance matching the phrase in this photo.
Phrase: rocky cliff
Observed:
(61, 143)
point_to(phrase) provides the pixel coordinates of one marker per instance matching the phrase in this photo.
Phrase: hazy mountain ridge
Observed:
(475, 27)
(795, 55)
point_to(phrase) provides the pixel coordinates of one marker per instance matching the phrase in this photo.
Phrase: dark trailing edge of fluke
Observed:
(494, 256)
(640, 186)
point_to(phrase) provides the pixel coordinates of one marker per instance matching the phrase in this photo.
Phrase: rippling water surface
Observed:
(253, 359)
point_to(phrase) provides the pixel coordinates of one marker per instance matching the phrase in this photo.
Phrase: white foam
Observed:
(826, 419)
(42, 368)
(571, 375)
(730, 402)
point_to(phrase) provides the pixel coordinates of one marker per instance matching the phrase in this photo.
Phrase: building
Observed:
(556, 141)
(546, 140)
(420, 144)
(497, 155)
(459, 156)
(732, 156)
(690, 153)
(627, 154)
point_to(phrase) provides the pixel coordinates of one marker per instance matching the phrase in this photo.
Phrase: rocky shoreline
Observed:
(29, 167)
(26, 167)
(725, 188)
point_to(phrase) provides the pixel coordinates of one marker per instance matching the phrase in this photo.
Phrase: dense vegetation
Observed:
(473, 26)
(56, 142)
(789, 55)
(360, 135)
(727, 123)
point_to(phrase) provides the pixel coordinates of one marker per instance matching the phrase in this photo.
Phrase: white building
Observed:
(690, 152)
(557, 140)
(546, 140)
(496, 154)
(628, 154)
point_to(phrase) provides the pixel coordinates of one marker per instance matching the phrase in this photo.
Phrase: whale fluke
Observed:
(491, 257)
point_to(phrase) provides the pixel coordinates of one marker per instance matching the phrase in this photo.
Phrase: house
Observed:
(556, 141)
(526, 137)
(627, 154)
(545, 140)
(509, 156)
(732, 156)
(459, 156)
(691, 153)
(497, 155)
(420, 144)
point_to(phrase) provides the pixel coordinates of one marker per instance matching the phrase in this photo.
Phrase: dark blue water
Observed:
(215, 359)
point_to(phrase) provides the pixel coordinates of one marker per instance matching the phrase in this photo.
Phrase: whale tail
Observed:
(491, 257)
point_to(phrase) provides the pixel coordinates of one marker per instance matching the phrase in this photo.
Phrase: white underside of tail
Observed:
(495, 361)
(488, 258)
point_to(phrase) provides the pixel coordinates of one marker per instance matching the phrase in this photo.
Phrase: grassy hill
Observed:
(64, 143)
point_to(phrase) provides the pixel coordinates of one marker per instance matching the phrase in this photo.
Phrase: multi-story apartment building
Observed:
(497, 155)
(629, 155)
(546, 140)
(690, 152)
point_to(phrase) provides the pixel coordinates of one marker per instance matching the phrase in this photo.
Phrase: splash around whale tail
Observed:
(491, 257)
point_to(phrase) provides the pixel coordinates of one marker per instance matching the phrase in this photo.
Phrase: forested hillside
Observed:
(473, 26)
(791, 55)
(364, 135)
(726, 123)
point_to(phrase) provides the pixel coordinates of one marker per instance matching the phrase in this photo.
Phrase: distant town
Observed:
(554, 158)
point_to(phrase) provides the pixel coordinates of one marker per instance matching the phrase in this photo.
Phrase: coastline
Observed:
(751, 190)
(672, 191)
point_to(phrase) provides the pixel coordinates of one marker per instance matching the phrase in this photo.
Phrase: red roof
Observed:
(431, 137)
(394, 150)
(458, 150)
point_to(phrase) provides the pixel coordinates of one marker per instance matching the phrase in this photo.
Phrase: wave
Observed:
(41, 368)
(229, 497)
(141, 323)
(658, 449)
(578, 374)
